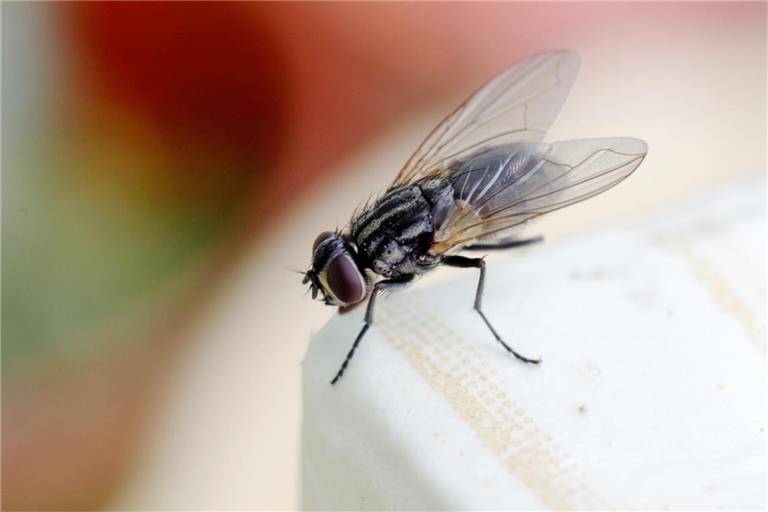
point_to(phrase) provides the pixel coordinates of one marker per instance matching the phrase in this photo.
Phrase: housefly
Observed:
(477, 179)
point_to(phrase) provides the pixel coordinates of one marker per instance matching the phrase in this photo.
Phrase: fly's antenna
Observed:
(305, 279)
(310, 276)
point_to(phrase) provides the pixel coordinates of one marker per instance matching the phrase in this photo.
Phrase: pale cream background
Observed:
(226, 434)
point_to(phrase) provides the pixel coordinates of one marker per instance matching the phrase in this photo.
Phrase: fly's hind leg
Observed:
(504, 243)
(387, 284)
(479, 263)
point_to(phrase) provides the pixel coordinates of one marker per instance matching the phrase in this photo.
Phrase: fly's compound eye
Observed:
(345, 281)
(322, 237)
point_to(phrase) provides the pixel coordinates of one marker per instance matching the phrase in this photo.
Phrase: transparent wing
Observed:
(518, 105)
(499, 189)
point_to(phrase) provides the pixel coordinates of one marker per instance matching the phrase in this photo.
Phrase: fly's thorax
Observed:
(439, 193)
(397, 203)
(394, 234)
(388, 218)
(336, 270)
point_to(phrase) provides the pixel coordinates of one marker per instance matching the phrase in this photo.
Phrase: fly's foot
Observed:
(519, 356)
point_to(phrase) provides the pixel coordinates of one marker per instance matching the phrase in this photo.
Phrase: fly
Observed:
(480, 176)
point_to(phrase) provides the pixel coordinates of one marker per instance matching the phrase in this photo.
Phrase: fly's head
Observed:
(334, 273)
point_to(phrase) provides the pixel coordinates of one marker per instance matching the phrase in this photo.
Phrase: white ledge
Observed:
(651, 393)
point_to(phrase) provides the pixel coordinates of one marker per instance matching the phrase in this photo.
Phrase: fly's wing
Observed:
(518, 105)
(499, 189)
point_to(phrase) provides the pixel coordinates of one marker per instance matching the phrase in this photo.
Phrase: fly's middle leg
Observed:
(479, 263)
(387, 284)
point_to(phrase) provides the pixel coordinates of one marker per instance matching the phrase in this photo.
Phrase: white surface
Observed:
(651, 393)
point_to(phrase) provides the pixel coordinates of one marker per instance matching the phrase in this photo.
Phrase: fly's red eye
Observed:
(322, 237)
(345, 280)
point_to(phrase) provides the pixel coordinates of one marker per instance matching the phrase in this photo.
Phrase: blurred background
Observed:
(166, 167)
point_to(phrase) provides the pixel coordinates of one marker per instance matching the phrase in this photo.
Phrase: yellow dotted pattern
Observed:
(723, 294)
(457, 372)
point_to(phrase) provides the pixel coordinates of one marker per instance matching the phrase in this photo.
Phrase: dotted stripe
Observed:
(456, 371)
(722, 293)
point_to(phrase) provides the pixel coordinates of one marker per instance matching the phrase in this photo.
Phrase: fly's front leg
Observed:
(387, 284)
(479, 263)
